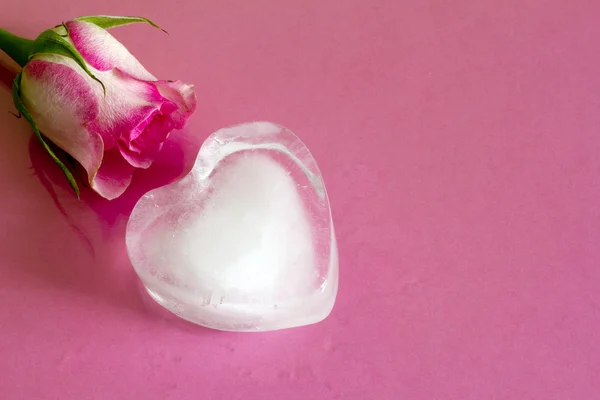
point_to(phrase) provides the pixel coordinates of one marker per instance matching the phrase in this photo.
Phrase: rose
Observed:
(108, 134)
(96, 102)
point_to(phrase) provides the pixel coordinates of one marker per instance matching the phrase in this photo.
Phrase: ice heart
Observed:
(245, 241)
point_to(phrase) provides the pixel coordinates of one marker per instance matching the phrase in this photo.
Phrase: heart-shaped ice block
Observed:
(245, 241)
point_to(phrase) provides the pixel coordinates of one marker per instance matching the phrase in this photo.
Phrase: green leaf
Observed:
(50, 42)
(108, 21)
(24, 112)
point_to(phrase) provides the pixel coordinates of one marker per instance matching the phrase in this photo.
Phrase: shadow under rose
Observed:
(100, 224)
(175, 160)
(6, 77)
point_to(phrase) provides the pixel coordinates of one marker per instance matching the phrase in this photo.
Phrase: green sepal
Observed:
(16, 93)
(65, 27)
(50, 42)
(108, 21)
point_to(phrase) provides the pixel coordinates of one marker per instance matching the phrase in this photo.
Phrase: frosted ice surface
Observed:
(245, 241)
(252, 235)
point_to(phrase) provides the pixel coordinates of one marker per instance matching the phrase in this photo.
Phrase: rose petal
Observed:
(183, 95)
(144, 149)
(63, 105)
(103, 52)
(114, 175)
(127, 104)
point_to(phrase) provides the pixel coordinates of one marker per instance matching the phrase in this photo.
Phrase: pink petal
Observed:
(144, 149)
(183, 95)
(63, 105)
(137, 118)
(114, 175)
(103, 52)
(128, 103)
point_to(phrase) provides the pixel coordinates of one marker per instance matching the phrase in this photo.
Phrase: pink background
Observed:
(460, 144)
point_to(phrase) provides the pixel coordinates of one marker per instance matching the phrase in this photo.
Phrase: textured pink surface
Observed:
(460, 144)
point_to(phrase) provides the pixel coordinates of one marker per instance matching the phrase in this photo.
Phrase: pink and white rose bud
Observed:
(110, 131)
